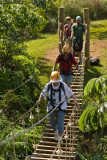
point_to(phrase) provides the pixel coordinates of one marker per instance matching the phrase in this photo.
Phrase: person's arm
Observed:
(78, 68)
(72, 32)
(39, 100)
(55, 66)
(42, 95)
(56, 62)
(69, 93)
(72, 35)
(85, 28)
(75, 63)
(75, 100)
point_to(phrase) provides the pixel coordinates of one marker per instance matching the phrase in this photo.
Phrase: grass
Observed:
(38, 49)
(98, 30)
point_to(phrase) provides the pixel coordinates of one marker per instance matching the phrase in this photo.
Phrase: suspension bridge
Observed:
(48, 148)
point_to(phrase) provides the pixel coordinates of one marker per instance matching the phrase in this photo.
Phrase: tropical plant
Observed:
(94, 116)
(93, 121)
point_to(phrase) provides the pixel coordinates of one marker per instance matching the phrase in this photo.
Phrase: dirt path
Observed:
(97, 49)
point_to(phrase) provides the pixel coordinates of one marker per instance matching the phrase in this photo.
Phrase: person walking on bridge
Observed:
(77, 31)
(65, 60)
(67, 31)
(58, 93)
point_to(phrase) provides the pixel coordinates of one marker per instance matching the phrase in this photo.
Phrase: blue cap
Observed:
(78, 18)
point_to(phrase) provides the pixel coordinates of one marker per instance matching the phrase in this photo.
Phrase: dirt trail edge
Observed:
(97, 49)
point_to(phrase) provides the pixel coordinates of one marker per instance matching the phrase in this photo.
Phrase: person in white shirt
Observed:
(58, 94)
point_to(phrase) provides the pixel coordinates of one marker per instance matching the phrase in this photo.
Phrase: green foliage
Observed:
(95, 98)
(81, 156)
(98, 30)
(92, 147)
(93, 118)
(21, 141)
(15, 64)
(98, 9)
(25, 19)
(96, 86)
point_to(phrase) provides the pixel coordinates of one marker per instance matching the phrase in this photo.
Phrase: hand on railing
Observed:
(37, 102)
(80, 72)
(75, 101)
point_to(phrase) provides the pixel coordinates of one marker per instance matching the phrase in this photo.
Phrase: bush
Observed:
(94, 116)
(98, 9)
(16, 65)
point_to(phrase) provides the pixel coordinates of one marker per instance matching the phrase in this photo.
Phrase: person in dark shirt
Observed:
(77, 35)
(66, 59)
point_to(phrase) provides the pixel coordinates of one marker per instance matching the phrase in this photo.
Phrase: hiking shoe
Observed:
(60, 139)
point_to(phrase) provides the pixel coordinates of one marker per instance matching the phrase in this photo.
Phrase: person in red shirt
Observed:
(67, 31)
(66, 59)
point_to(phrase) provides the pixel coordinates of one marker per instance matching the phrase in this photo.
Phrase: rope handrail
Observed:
(30, 78)
(18, 118)
(64, 130)
(74, 105)
(39, 122)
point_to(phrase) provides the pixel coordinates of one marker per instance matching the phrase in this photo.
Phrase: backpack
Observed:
(67, 28)
(94, 61)
(51, 101)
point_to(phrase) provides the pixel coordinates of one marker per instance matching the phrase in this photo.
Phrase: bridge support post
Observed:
(61, 27)
(87, 44)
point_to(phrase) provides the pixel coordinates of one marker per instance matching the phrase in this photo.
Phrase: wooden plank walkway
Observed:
(47, 145)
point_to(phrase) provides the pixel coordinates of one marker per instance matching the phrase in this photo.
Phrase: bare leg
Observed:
(79, 55)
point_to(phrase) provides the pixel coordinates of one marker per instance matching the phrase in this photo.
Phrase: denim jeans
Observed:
(59, 122)
(69, 78)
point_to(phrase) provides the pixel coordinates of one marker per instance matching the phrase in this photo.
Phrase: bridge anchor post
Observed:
(61, 27)
(87, 44)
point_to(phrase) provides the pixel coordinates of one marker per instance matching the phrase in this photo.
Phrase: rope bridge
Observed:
(48, 148)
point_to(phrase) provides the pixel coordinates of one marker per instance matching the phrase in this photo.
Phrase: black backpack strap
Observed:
(50, 99)
(62, 87)
(60, 92)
